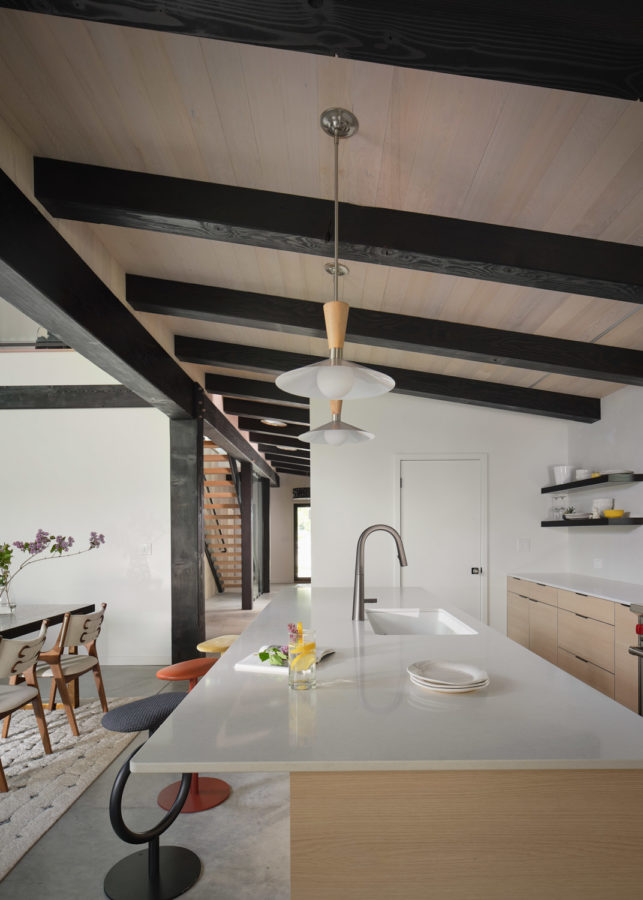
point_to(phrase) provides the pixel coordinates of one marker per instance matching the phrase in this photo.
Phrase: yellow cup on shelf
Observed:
(613, 513)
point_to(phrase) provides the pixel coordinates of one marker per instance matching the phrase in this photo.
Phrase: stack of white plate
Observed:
(447, 677)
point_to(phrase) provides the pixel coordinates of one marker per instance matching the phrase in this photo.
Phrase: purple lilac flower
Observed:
(95, 540)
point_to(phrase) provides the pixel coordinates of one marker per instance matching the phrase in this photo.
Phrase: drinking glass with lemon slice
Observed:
(302, 658)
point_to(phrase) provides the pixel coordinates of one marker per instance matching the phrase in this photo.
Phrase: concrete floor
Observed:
(243, 844)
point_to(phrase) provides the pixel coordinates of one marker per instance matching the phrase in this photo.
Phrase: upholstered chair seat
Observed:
(12, 697)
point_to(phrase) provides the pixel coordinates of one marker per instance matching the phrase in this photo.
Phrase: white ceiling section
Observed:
(243, 115)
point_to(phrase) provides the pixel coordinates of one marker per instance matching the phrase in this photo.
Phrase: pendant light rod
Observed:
(336, 217)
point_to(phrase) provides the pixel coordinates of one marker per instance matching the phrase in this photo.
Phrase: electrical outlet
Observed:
(146, 549)
(598, 563)
(523, 545)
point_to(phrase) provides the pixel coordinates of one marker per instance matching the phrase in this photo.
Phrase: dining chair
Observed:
(18, 660)
(77, 630)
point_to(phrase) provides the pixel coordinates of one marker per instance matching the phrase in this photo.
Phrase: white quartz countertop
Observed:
(366, 714)
(619, 591)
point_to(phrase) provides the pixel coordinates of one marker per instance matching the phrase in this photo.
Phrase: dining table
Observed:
(26, 617)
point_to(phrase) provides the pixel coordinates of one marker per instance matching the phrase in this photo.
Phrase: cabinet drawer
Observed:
(533, 590)
(586, 605)
(593, 675)
(518, 619)
(626, 667)
(587, 638)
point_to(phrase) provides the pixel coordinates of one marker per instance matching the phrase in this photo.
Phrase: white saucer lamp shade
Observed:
(335, 379)
(335, 433)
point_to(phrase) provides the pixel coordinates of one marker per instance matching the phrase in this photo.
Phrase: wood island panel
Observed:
(466, 835)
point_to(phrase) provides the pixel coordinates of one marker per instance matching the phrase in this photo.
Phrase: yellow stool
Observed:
(218, 644)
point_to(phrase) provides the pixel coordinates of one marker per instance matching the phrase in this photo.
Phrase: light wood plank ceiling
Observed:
(428, 142)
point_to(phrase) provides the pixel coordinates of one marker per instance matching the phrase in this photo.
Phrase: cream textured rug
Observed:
(41, 787)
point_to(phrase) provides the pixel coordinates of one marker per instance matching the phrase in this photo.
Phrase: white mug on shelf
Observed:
(562, 474)
(581, 474)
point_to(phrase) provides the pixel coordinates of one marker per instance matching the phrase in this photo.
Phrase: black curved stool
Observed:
(158, 873)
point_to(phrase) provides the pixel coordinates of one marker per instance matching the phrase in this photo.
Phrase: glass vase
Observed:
(7, 604)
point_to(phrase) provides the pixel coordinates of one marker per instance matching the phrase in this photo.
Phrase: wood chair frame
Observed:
(60, 680)
(29, 677)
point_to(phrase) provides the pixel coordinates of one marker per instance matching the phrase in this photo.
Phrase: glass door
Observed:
(302, 542)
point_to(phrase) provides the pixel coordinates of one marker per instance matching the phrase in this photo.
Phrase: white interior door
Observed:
(442, 522)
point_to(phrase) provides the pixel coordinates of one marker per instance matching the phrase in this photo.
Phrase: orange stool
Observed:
(205, 793)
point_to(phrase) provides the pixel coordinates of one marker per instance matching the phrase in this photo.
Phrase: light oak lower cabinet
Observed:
(584, 635)
(543, 630)
(587, 638)
(518, 618)
(586, 671)
(531, 621)
(626, 666)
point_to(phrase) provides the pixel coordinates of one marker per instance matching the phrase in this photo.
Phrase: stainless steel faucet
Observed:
(358, 588)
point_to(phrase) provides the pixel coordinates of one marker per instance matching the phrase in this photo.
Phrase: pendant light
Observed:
(336, 432)
(335, 378)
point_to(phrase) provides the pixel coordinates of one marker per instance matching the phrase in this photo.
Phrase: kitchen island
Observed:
(528, 788)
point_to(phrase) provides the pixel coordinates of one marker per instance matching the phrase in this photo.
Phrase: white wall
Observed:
(614, 442)
(282, 560)
(76, 471)
(355, 486)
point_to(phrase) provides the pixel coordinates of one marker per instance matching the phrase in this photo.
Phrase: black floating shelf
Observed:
(584, 523)
(590, 482)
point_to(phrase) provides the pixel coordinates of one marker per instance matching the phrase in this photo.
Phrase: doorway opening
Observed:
(301, 533)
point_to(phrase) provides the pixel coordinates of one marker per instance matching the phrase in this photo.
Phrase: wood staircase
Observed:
(221, 517)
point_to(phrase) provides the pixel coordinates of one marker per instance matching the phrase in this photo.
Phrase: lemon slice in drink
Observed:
(302, 661)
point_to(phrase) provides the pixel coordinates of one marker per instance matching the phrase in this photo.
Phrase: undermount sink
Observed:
(416, 621)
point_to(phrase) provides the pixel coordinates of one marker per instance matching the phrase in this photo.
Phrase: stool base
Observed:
(209, 793)
(129, 879)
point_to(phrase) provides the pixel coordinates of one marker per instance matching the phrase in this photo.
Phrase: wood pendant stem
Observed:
(336, 318)
(335, 407)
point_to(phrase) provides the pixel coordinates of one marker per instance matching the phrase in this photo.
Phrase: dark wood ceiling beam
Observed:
(255, 410)
(591, 48)
(290, 453)
(388, 237)
(69, 396)
(248, 424)
(283, 470)
(417, 384)
(258, 437)
(276, 460)
(251, 389)
(391, 330)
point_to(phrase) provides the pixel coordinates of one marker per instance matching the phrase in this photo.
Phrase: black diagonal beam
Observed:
(418, 384)
(591, 48)
(381, 329)
(303, 224)
(256, 410)
(292, 470)
(46, 279)
(69, 396)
